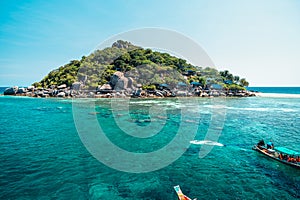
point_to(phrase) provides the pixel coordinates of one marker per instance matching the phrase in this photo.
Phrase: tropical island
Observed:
(126, 70)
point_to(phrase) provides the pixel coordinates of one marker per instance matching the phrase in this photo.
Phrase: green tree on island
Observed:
(97, 68)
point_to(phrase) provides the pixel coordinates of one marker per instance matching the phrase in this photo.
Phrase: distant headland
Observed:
(126, 70)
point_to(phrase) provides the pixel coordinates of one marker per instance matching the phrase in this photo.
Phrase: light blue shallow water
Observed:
(42, 156)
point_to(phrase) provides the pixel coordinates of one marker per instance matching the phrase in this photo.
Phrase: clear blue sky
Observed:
(255, 39)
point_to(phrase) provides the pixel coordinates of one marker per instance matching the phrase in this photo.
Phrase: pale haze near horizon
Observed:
(257, 40)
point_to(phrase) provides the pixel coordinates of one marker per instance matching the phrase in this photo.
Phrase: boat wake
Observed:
(207, 142)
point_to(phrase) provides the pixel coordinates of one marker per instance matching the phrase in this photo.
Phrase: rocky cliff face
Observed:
(122, 44)
(121, 83)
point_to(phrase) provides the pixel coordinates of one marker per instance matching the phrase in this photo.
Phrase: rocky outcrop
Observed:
(77, 86)
(30, 88)
(122, 44)
(104, 89)
(121, 86)
(61, 94)
(11, 91)
(21, 90)
(63, 86)
(120, 83)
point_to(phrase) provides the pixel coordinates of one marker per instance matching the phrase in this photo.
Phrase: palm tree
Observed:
(236, 79)
(244, 83)
(230, 77)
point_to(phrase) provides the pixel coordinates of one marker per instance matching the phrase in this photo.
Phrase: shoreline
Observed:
(120, 95)
(69, 93)
(139, 93)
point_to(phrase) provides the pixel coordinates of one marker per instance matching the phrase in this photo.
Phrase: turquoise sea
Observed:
(43, 155)
(276, 90)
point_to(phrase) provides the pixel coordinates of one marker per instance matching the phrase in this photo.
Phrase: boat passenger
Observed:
(261, 143)
(280, 156)
(270, 145)
(298, 159)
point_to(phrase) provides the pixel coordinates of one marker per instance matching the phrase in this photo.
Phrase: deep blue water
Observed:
(279, 90)
(2, 89)
(43, 156)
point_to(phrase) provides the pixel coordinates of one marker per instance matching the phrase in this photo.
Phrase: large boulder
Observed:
(159, 94)
(137, 92)
(130, 83)
(106, 88)
(91, 94)
(63, 86)
(77, 86)
(115, 78)
(39, 93)
(61, 94)
(181, 93)
(21, 90)
(30, 88)
(11, 90)
(121, 84)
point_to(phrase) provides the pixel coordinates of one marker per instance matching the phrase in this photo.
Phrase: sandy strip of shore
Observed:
(277, 95)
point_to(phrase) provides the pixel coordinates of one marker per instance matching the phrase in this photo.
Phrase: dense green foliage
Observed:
(233, 79)
(145, 66)
(66, 74)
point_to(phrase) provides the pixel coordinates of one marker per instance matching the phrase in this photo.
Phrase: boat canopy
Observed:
(287, 151)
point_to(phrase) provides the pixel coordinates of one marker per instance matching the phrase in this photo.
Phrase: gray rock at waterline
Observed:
(182, 93)
(49, 91)
(91, 94)
(30, 88)
(67, 93)
(159, 94)
(29, 94)
(104, 88)
(61, 94)
(39, 93)
(11, 90)
(21, 90)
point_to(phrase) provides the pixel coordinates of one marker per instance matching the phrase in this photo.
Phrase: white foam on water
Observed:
(206, 142)
(250, 109)
(145, 102)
